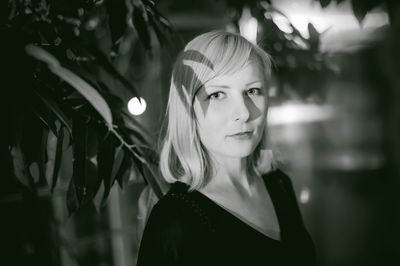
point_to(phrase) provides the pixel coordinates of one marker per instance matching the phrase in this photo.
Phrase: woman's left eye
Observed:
(254, 91)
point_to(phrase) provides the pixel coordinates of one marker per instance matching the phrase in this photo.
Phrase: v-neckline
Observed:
(241, 219)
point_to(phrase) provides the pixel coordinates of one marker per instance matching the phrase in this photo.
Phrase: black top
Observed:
(188, 228)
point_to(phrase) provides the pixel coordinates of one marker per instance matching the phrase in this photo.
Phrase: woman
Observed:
(220, 209)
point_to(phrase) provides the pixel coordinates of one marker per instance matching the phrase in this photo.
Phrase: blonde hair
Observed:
(183, 157)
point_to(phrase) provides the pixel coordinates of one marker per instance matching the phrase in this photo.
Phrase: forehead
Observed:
(250, 72)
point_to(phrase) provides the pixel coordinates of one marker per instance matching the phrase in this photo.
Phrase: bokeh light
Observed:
(137, 107)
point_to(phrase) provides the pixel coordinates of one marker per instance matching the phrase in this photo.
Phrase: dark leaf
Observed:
(84, 88)
(362, 7)
(79, 130)
(51, 150)
(314, 38)
(124, 170)
(105, 162)
(139, 19)
(324, 3)
(72, 199)
(107, 66)
(98, 199)
(57, 158)
(116, 10)
(34, 171)
(118, 159)
(47, 122)
(42, 153)
(20, 167)
(55, 109)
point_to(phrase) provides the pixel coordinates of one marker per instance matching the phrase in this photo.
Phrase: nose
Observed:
(241, 112)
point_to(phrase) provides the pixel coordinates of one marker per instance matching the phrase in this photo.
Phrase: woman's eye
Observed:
(254, 91)
(216, 95)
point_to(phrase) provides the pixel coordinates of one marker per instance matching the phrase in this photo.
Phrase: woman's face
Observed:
(231, 111)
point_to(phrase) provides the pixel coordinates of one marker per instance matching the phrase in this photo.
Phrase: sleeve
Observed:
(173, 235)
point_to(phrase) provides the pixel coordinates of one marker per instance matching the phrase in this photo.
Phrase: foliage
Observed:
(297, 59)
(67, 125)
(362, 7)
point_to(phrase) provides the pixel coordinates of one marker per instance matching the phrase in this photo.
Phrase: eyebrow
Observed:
(227, 87)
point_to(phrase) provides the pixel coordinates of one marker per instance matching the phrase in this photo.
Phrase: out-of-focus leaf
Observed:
(118, 159)
(57, 158)
(324, 3)
(117, 21)
(49, 123)
(42, 153)
(72, 199)
(314, 37)
(123, 173)
(140, 132)
(107, 66)
(98, 198)
(42, 55)
(158, 22)
(93, 97)
(51, 155)
(66, 168)
(20, 167)
(139, 19)
(105, 161)
(34, 171)
(362, 7)
(79, 131)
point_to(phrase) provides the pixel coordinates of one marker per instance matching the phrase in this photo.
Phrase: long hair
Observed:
(183, 157)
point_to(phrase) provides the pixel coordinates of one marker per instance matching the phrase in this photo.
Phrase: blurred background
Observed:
(86, 86)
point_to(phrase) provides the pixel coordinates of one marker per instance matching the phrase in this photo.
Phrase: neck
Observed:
(231, 172)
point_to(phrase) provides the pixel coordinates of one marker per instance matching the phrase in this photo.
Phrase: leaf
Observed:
(51, 155)
(139, 20)
(362, 7)
(57, 158)
(159, 23)
(107, 66)
(118, 159)
(105, 162)
(42, 153)
(116, 10)
(72, 199)
(55, 109)
(122, 176)
(84, 88)
(79, 130)
(47, 122)
(34, 171)
(20, 167)
(324, 3)
(42, 55)
(314, 37)
(98, 201)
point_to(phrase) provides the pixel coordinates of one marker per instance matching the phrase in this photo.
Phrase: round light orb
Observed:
(135, 107)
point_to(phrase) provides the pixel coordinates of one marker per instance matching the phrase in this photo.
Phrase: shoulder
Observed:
(173, 233)
(174, 200)
(278, 176)
(175, 209)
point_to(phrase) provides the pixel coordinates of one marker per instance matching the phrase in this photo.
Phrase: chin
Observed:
(239, 151)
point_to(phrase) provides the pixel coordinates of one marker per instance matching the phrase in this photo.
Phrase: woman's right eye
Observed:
(216, 95)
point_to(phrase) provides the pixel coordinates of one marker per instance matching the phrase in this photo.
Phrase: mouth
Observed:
(242, 135)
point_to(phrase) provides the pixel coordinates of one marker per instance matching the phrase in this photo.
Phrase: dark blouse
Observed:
(188, 228)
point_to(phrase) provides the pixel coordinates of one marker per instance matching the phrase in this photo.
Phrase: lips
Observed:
(241, 135)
